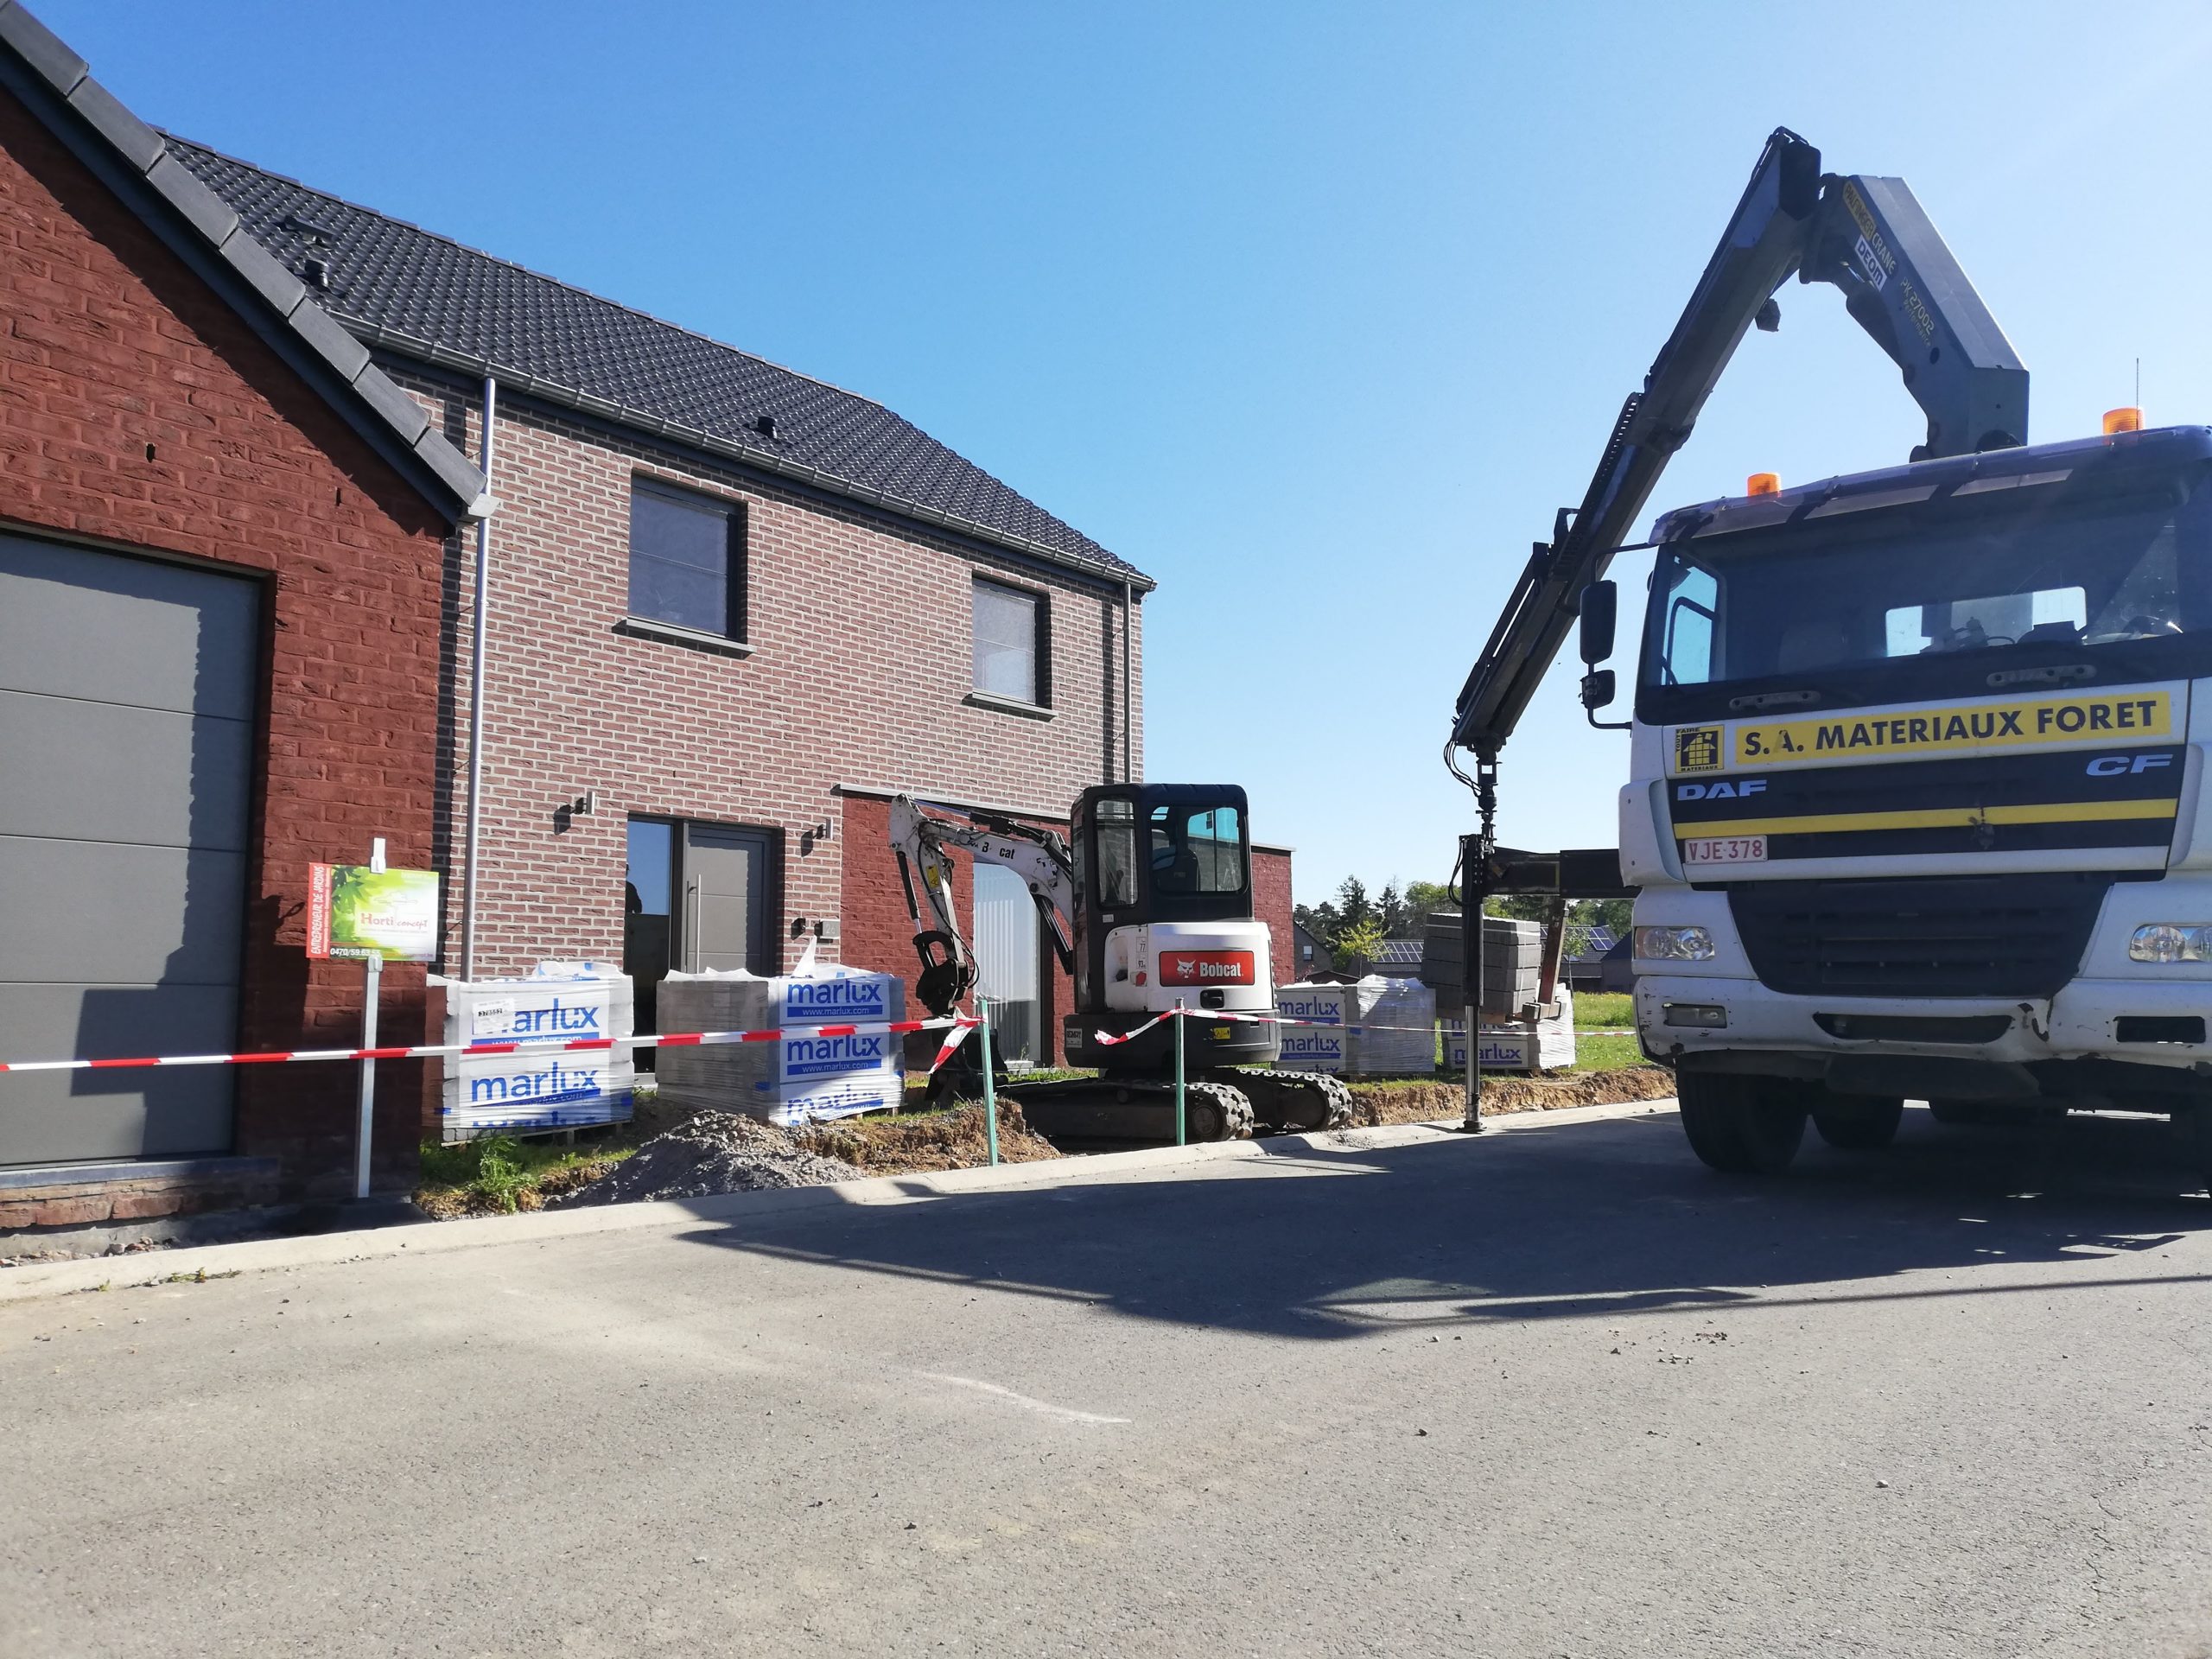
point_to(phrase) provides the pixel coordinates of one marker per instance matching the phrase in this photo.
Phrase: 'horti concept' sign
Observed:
(357, 912)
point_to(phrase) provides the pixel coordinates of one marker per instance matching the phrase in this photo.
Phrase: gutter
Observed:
(637, 419)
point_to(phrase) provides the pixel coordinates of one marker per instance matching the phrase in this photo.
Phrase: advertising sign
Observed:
(357, 912)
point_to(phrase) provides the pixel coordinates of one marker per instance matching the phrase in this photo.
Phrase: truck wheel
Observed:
(1739, 1125)
(1860, 1123)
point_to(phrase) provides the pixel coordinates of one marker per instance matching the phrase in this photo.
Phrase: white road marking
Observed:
(1065, 1413)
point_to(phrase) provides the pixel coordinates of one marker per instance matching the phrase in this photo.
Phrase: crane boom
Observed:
(1866, 236)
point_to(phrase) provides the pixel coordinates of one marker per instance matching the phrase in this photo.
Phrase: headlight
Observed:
(2170, 942)
(1673, 944)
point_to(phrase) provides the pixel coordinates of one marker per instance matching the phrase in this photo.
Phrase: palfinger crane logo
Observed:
(1697, 748)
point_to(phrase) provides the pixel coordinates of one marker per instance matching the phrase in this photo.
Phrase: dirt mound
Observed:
(914, 1145)
(1419, 1103)
(708, 1153)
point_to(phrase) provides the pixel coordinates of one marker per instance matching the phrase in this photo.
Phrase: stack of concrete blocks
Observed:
(1513, 964)
(538, 1086)
(1377, 1028)
(802, 1078)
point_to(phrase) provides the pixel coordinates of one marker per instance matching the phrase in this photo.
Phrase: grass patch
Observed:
(499, 1175)
(1599, 1010)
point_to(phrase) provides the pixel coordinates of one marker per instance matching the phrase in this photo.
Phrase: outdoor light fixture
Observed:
(1673, 944)
(2170, 942)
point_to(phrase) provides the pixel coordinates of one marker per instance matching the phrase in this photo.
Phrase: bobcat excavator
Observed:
(1151, 908)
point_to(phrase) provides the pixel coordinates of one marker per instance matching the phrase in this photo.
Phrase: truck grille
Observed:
(2013, 936)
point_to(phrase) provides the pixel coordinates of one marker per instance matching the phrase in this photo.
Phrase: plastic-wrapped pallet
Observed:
(538, 1086)
(1321, 1047)
(1544, 1044)
(802, 1078)
(1394, 1028)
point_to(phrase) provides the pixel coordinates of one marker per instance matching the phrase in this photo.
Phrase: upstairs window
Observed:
(1010, 643)
(687, 561)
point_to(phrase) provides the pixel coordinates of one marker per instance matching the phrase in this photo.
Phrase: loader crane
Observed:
(1149, 908)
(1915, 755)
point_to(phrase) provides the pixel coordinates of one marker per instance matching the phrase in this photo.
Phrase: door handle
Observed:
(692, 926)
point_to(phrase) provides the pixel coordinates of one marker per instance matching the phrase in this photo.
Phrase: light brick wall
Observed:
(860, 635)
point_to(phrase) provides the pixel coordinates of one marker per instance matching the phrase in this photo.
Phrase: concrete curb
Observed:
(478, 1232)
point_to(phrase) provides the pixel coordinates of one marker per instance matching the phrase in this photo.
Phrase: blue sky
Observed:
(1316, 314)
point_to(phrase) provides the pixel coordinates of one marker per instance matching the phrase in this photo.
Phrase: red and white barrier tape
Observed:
(1108, 1039)
(959, 1025)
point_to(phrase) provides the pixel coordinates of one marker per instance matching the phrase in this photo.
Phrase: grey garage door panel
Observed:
(94, 912)
(63, 1116)
(113, 771)
(78, 624)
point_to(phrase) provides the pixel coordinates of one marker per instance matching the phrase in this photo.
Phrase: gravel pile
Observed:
(711, 1153)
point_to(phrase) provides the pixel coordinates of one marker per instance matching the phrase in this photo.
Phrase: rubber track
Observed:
(1299, 1101)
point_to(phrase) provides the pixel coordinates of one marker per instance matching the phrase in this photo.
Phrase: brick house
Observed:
(731, 609)
(222, 541)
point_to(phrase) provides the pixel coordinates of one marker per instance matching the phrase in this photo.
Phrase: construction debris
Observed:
(706, 1154)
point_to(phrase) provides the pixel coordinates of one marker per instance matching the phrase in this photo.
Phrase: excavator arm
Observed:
(1865, 236)
(923, 834)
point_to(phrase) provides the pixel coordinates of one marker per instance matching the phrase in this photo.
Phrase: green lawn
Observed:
(1597, 1010)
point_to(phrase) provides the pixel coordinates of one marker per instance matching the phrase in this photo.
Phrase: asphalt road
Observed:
(1556, 1391)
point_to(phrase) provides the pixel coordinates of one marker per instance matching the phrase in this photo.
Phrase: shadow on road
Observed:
(1544, 1220)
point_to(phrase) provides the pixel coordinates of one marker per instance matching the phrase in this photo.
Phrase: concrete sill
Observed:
(1007, 705)
(644, 627)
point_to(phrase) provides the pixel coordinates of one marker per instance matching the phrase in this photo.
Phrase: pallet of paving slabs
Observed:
(802, 1078)
(538, 1087)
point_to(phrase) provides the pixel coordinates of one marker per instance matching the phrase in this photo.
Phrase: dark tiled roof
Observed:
(402, 287)
(129, 156)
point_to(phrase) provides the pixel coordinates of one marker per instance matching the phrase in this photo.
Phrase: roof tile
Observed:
(388, 278)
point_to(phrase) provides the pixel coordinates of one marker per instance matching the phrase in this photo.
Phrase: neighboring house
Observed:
(1396, 959)
(224, 544)
(1583, 970)
(1313, 957)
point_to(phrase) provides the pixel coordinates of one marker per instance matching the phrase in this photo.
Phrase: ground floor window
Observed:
(1008, 959)
(696, 896)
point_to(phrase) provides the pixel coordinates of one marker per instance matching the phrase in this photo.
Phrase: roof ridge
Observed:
(527, 271)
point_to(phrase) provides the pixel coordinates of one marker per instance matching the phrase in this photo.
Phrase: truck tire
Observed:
(1858, 1123)
(1739, 1125)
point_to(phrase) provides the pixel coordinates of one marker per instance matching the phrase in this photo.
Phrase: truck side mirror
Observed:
(1597, 689)
(1600, 609)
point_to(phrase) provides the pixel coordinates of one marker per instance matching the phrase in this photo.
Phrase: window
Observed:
(687, 561)
(1196, 849)
(1010, 653)
(1117, 855)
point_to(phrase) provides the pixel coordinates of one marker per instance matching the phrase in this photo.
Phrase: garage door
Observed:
(126, 720)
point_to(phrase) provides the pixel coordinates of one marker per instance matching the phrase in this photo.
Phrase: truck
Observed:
(1916, 805)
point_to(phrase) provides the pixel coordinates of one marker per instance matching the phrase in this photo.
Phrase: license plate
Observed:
(1725, 849)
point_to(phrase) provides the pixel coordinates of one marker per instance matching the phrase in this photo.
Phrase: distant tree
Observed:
(1423, 901)
(1354, 948)
(1390, 911)
(1353, 905)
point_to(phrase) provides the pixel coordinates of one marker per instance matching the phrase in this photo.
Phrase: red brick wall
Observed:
(1271, 904)
(859, 671)
(110, 347)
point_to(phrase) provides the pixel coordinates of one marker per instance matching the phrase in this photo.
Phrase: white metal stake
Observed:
(373, 982)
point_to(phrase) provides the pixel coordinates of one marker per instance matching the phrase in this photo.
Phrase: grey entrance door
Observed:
(127, 699)
(725, 917)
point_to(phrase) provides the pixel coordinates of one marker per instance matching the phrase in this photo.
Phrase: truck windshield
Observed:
(1929, 599)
